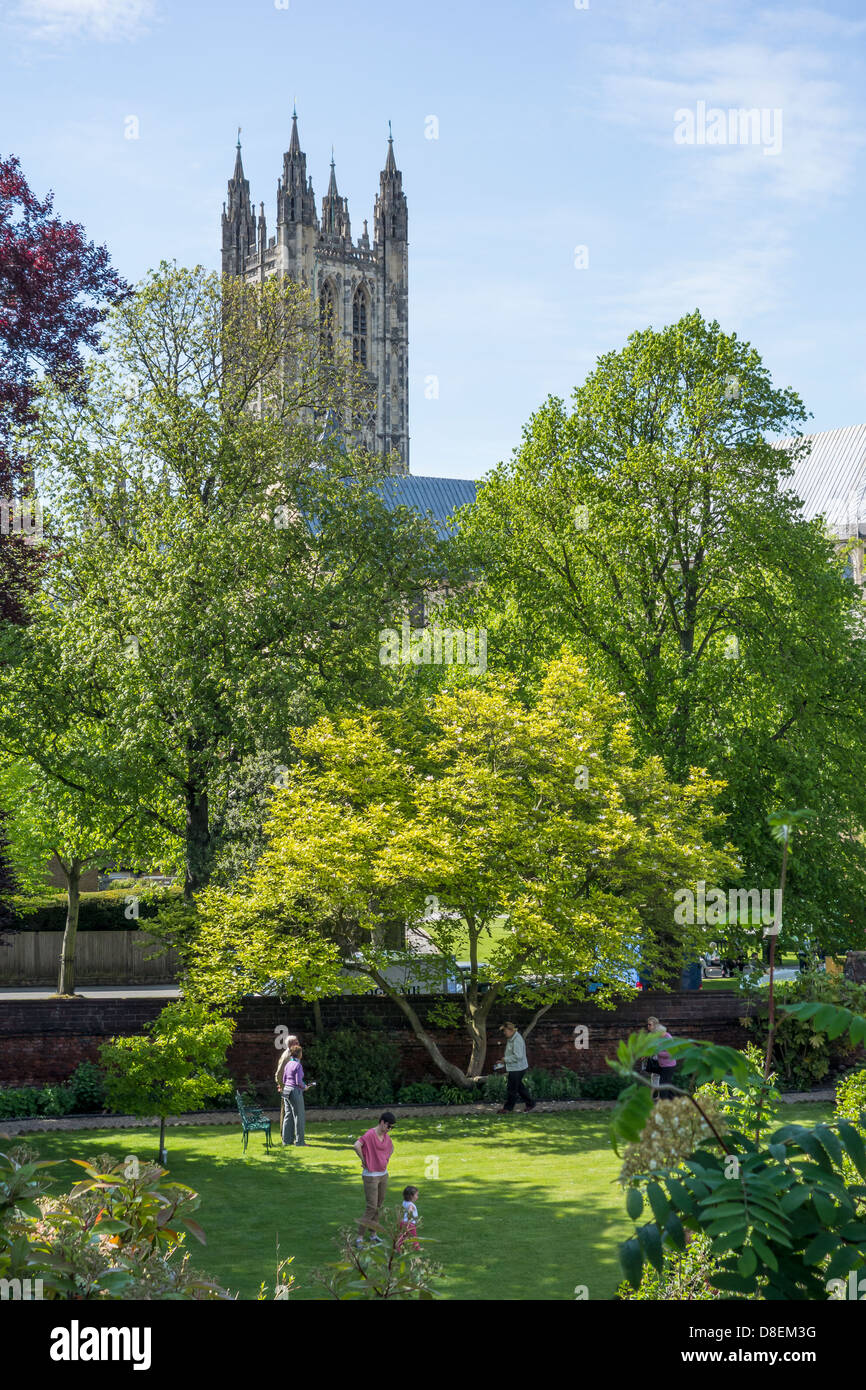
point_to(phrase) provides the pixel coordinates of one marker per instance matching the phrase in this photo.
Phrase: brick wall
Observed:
(44, 1040)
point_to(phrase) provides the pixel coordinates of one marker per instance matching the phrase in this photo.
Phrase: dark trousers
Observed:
(516, 1089)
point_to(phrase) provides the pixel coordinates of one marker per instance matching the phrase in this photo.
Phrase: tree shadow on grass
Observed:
(501, 1228)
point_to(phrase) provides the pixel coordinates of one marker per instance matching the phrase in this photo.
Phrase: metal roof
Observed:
(437, 497)
(831, 479)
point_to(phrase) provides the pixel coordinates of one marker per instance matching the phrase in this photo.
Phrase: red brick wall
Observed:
(44, 1040)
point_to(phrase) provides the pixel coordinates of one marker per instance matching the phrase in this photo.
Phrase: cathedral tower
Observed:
(362, 288)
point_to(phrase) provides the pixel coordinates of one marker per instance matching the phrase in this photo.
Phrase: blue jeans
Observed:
(294, 1118)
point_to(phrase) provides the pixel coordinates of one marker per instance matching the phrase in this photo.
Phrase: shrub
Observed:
(685, 1276)
(802, 1054)
(87, 1085)
(397, 1268)
(604, 1087)
(117, 1236)
(563, 1084)
(418, 1093)
(20, 1103)
(745, 1108)
(456, 1095)
(851, 1105)
(351, 1067)
(57, 1100)
(96, 912)
(493, 1089)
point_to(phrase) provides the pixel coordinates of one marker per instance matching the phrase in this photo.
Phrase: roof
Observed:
(831, 479)
(436, 497)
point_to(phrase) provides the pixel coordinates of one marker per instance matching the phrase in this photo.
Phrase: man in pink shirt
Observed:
(374, 1150)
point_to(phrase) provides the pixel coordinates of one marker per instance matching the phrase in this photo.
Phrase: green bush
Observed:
(418, 1093)
(20, 1103)
(802, 1055)
(604, 1087)
(87, 1085)
(351, 1067)
(493, 1089)
(851, 1105)
(456, 1095)
(57, 1100)
(563, 1084)
(96, 912)
(684, 1278)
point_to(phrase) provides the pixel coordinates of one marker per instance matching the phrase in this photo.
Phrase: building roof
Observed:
(437, 497)
(831, 479)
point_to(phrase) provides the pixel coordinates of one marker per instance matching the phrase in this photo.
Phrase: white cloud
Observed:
(734, 284)
(52, 21)
(821, 131)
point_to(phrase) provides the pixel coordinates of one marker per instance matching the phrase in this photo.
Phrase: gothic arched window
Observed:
(327, 318)
(359, 328)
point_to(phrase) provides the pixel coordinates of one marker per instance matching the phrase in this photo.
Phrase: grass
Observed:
(524, 1207)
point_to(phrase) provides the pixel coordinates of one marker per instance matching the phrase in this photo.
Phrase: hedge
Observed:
(96, 912)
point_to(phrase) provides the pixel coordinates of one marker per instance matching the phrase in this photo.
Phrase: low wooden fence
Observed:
(101, 958)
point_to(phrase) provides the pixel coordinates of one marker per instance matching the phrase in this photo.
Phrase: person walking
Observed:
(665, 1064)
(285, 1056)
(374, 1150)
(516, 1067)
(294, 1086)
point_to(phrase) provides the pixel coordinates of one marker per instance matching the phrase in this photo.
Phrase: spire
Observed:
(390, 161)
(335, 210)
(294, 143)
(295, 201)
(391, 214)
(238, 220)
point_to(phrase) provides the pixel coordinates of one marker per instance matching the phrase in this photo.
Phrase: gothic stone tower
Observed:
(362, 289)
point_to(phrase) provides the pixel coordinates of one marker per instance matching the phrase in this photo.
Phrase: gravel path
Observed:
(46, 1124)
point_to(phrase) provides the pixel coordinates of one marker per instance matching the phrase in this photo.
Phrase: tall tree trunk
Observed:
(777, 924)
(317, 1019)
(72, 874)
(162, 1153)
(198, 840)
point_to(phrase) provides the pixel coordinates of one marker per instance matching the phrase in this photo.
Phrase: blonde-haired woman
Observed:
(285, 1057)
(663, 1065)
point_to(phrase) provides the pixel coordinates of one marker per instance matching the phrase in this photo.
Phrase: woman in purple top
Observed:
(665, 1064)
(294, 1087)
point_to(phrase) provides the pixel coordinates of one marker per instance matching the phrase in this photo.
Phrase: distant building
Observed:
(361, 287)
(831, 482)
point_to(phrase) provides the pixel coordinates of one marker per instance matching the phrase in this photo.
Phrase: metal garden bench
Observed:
(252, 1119)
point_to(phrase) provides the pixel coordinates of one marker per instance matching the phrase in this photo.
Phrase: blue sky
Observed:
(556, 130)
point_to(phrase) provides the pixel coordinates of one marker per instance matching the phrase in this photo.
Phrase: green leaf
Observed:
(634, 1203)
(651, 1242)
(748, 1262)
(631, 1259)
(659, 1203)
(820, 1247)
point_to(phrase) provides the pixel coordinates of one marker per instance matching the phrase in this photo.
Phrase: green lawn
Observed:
(523, 1208)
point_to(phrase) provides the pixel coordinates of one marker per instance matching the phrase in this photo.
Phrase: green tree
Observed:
(445, 816)
(176, 1065)
(213, 571)
(648, 523)
(76, 831)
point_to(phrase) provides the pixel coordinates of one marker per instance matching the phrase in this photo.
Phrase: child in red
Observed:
(408, 1220)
